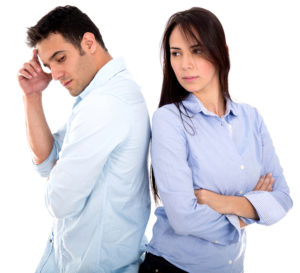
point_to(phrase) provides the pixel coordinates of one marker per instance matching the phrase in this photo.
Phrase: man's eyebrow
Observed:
(174, 47)
(53, 56)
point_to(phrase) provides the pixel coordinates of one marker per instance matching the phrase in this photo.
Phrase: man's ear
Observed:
(88, 42)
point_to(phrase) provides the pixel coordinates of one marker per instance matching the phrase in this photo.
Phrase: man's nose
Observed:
(57, 74)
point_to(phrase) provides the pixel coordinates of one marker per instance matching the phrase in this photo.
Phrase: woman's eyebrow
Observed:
(195, 45)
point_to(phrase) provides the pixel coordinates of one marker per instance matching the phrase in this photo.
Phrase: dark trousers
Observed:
(157, 264)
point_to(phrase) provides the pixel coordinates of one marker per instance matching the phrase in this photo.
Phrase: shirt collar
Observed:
(108, 71)
(194, 105)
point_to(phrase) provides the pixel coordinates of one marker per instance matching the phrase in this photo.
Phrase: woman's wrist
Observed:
(226, 204)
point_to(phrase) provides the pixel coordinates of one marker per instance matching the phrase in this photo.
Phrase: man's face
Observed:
(74, 69)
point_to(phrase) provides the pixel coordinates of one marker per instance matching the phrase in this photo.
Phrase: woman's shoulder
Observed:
(244, 109)
(166, 111)
(167, 116)
(247, 112)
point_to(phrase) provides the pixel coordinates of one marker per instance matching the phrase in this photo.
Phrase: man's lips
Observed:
(67, 83)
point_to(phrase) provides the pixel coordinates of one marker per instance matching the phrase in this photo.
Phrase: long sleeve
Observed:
(45, 167)
(96, 127)
(174, 180)
(270, 206)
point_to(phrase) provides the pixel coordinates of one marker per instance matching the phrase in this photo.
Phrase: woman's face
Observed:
(192, 70)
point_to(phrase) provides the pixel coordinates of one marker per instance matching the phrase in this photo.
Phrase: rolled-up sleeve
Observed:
(174, 180)
(46, 166)
(270, 206)
(97, 126)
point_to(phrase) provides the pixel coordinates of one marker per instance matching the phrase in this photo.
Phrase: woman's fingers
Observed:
(259, 183)
(270, 185)
(265, 183)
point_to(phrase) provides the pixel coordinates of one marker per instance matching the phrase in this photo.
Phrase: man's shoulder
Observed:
(124, 88)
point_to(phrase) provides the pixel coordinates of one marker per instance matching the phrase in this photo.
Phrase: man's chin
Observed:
(73, 92)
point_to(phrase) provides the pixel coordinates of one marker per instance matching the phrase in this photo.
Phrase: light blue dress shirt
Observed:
(98, 191)
(225, 155)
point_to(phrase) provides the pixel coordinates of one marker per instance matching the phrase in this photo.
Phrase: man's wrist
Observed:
(35, 97)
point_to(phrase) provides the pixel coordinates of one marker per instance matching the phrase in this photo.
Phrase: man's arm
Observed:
(33, 80)
(93, 136)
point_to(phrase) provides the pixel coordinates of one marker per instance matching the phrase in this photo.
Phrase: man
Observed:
(97, 188)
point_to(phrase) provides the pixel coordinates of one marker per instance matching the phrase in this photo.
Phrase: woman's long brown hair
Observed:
(202, 26)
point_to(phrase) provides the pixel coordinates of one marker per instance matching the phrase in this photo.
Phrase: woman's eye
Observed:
(175, 54)
(198, 51)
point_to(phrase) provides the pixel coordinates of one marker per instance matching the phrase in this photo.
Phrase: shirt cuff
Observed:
(268, 209)
(248, 221)
(234, 220)
(46, 166)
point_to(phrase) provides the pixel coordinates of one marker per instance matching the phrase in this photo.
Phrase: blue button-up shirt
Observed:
(98, 189)
(226, 155)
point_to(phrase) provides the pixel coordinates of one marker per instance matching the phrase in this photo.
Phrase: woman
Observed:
(214, 163)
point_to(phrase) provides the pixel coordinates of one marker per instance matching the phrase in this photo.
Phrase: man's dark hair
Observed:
(68, 21)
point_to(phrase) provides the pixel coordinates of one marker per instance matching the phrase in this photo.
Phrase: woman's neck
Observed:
(213, 101)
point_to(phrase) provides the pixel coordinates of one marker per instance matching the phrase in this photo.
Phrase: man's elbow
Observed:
(61, 209)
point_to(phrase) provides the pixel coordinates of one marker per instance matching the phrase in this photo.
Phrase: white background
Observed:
(264, 48)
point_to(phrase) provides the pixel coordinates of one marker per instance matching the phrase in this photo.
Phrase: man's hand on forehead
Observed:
(32, 78)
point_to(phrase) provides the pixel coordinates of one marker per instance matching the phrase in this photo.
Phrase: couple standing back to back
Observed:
(97, 188)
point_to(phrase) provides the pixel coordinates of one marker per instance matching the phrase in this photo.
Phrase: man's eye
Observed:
(61, 59)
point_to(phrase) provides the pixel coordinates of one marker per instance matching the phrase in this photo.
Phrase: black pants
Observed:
(157, 264)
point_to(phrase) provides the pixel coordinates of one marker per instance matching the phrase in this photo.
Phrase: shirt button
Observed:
(241, 192)
(242, 167)
(216, 242)
(230, 261)
(229, 126)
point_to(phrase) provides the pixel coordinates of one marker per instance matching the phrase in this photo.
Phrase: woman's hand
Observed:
(265, 183)
(218, 201)
(238, 205)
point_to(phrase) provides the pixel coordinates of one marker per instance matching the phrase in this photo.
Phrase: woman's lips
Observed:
(190, 78)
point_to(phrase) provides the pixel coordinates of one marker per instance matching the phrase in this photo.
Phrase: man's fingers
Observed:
(30, 69)
(35, 55)
(36, 65)
(23, 73)
(35, 60)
